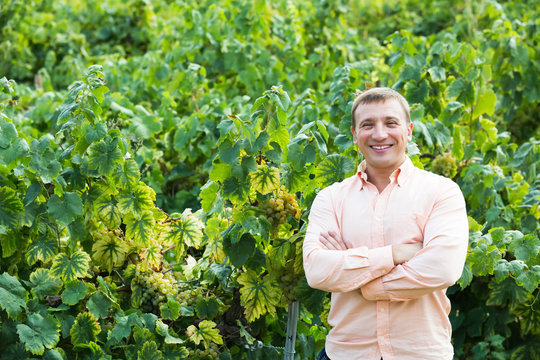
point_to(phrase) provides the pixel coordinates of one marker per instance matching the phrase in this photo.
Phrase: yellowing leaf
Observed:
(265, 179)
(135, 201)
(186, 228)
(207, 333)
(70, 268)
(108, 212)
(109, 250)
(85, 329)
(140, 229)
(258, 296)
(152, 256)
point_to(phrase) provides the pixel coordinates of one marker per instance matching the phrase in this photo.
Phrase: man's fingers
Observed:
(331, 241)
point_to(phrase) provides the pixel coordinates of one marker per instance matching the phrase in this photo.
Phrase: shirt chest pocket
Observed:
(404, 227)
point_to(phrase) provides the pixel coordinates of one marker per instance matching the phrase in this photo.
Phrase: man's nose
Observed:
(379, 131)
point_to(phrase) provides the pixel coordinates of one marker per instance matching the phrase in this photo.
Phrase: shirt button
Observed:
(383, 271)
(377, 297)
(381, 338)
(382, 309)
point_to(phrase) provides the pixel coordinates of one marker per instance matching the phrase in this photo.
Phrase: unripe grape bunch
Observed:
(445, 165)
(288, 281)
(150, 289)
(212, 352)
(280, 206)
(190, 296)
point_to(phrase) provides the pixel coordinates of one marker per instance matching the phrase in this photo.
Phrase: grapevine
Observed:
(280, 207)
(150, 288)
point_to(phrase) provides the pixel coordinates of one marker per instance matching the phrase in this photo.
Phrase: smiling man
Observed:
(387, 243)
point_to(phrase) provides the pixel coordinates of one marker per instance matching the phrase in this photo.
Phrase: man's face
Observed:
(381, 133)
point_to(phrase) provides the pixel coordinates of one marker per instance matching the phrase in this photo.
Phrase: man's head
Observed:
(381, 129)
(380, 95)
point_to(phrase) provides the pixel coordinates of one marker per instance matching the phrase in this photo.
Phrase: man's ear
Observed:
(409, 131)
(353, 134)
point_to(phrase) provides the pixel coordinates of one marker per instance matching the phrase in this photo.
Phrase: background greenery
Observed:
(211, 106)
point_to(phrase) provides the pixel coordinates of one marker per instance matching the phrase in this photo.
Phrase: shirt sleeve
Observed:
(338, 270)
(440, 262)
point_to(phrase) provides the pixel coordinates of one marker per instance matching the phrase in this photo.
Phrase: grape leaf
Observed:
(108, 212)
(151, 255)
(85, 329)
(258, 295)
(136, 200)
(235, 190)
(7, 132)
(105, 155)
(74, 292)
(149, 351)
(39, 333)
(529, 279)
(109, 250)
(98, 305)
(241, 250)
(170, 310)
(170, 337)
(12, 295)
(140, 228)
(65, 209)
(525, 247)
(42, 249)
(265, 179)
(185, 228)
(71, 268)
(209, 195)
(333, 169)
(44, 284)
(10, 207)
(126, 174)
(206, 332)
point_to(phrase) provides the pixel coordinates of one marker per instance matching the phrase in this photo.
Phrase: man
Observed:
(387, 243)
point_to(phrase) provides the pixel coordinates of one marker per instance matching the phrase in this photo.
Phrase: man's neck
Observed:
(379, 179)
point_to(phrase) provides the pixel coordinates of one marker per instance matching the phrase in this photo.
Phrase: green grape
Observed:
(445, 165)
(156, 287)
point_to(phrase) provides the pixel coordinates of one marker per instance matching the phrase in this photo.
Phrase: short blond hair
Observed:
(380, 94)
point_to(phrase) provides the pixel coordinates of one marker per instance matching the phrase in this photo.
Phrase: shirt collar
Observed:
(399, 175)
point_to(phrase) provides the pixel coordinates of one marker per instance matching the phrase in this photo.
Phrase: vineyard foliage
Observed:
(158, 160)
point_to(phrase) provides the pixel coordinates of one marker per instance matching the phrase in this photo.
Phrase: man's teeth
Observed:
(381, 147)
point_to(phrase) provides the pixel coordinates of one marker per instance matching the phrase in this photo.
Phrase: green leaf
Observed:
(39, 333)
(108, 212)
(241, 250)
(140, 229)
(258, 295)
(485, 104)
(74, 292)
(70, 268)
(185, 229)
(149, 351)
(525, 247)
(170, 310)
(85, 329)
(109, 250)
(136, 200)
(122, 329)
(127, 174)
(7, 132)
(466, 276)
(10, 207)
(98, 305)
(43, 249)
(220, 171)
(236, 190)
(44, 284)
(12, 295)
(228, 151)
(437, 73)
(333, 169)
(265, 179)
(105, 155)
(163, 330)
(207, 308)
(65, 209)
(209, 195)
(206, 332)
(529, 279)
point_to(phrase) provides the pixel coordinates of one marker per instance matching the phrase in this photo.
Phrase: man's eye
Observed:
(366, 125)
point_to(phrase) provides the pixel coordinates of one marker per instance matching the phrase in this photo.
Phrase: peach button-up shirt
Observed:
(379, 309)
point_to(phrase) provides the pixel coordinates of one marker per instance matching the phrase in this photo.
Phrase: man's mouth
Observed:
(380, 147)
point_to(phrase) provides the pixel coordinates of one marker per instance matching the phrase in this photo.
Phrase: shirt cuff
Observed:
(381, 262)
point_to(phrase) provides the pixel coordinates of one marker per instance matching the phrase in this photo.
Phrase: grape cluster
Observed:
(280, 206)
(212, 352)
(445, 165)
(288, 281)
(156, 286)
(191, 296)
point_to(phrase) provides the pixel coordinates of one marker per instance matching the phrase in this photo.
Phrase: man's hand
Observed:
(332, 241)
(404, 252)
